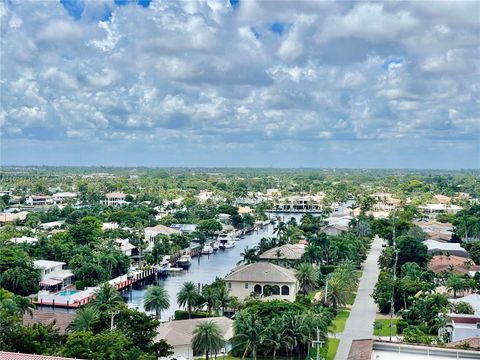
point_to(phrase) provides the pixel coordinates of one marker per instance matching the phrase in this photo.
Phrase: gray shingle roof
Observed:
(262, 272)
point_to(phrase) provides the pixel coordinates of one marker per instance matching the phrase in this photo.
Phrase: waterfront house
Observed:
(284, 255)
(153, 231)
(115, 199)
(179, 334)
(52, 273)
(263, 279)
(125, 246)
(184, 228)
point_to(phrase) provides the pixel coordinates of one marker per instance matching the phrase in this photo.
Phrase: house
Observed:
(115, 199)
(435, 209)
(109, 226)
(5, 355)
(152, 232)
(224, 218)
(385, 202)
(179, 334)
(52, 273)
(61, 319)
(445, 248)
(125, 246)
(184, 228)
(472, 299)
(39, 200)
(51, 225)
(455, 264)
(435, 229)
(264, 279)
(284, 254)
(64, 197)
(245, 210)
(368, 349)
(11, 217)
(24, 240)
(470, 343)
(462, 326)
(335, 229)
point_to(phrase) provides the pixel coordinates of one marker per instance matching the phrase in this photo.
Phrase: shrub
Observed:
(182, 314)
(401, 325)
(79, 285)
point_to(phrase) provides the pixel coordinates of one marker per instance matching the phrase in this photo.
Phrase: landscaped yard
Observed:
(338, 324)
(385, 329)
(326, 353)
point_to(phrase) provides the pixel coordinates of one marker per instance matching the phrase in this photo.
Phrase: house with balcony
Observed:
(264, 280)
(39, 200)
(115, 199)
(53, 274)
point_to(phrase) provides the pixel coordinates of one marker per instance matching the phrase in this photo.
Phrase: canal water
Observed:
(204, 270)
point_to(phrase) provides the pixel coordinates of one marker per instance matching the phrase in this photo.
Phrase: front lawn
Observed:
(385, 329)
(338, 323)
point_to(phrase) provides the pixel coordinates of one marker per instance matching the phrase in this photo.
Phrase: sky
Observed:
(240, 83)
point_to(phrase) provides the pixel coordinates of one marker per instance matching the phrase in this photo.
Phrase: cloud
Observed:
(260, 80)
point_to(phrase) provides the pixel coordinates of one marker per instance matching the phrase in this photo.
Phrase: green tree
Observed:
(307, 277)
(107, 298)
(156, 299)
(188, 296)
(85, 318)
(207, 338)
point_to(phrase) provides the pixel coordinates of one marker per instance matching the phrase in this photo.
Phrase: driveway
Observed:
(359, 324)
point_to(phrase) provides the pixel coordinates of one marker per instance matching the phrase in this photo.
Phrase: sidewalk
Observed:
(359, 324)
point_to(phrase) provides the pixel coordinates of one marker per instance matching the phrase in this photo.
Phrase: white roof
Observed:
(47, 264)
(65, 194)
(445, 246)
(440, 207)
(24, 240)
(51, 224)
(472, 299)
(62, 274)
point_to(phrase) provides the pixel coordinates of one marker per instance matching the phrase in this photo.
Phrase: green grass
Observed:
(338, 323)
(385, 330)
(351, 298)
(328, 353)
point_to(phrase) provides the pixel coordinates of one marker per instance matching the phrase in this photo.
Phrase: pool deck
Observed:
(120, 285)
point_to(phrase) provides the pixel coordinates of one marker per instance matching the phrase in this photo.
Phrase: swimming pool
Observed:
(67, 292)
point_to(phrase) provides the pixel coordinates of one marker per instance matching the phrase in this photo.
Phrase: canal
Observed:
(204, 270)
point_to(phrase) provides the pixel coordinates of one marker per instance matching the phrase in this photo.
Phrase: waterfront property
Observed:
(154, 231)
(52, 274)
(285, 254)
(263, 279)
(179, 334)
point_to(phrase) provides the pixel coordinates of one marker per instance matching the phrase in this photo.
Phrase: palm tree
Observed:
(207, 338)
(24, 305)
(338, 291)
(249, 333)
(276, 337)
(281, 229)
(107, 298)
(307, 277)
(248, 256)
(84, 319)
(157, 299)
(188, 296)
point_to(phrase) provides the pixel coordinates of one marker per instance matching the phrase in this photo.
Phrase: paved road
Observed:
(359, 324)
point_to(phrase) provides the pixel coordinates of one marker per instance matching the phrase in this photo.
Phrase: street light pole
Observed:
(395, 253)
(318, 344)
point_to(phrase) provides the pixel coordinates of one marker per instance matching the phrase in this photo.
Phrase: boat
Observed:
(215, 246)
(228, 245)
(222, 239)
(184, 261)
(207, 250)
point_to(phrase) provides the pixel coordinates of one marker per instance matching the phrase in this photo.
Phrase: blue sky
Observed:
(240, 83)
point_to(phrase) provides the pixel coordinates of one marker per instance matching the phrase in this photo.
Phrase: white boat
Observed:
(215, 246)
(207, 250)
(228, 245)
(222, 239)
(184, 261)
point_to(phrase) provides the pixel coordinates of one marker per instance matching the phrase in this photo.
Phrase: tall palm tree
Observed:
(307, 277)
(156, 299)
(84, 319)
(107, 298)
(188, 296)
(338, 291)
(207, 338)
(24, 305)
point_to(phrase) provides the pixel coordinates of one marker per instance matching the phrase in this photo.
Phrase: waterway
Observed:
(204, 270)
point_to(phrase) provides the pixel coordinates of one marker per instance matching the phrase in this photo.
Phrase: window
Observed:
(229, 285)
(275, 290)
(246, 285)
(257, 289)
(285, 290)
